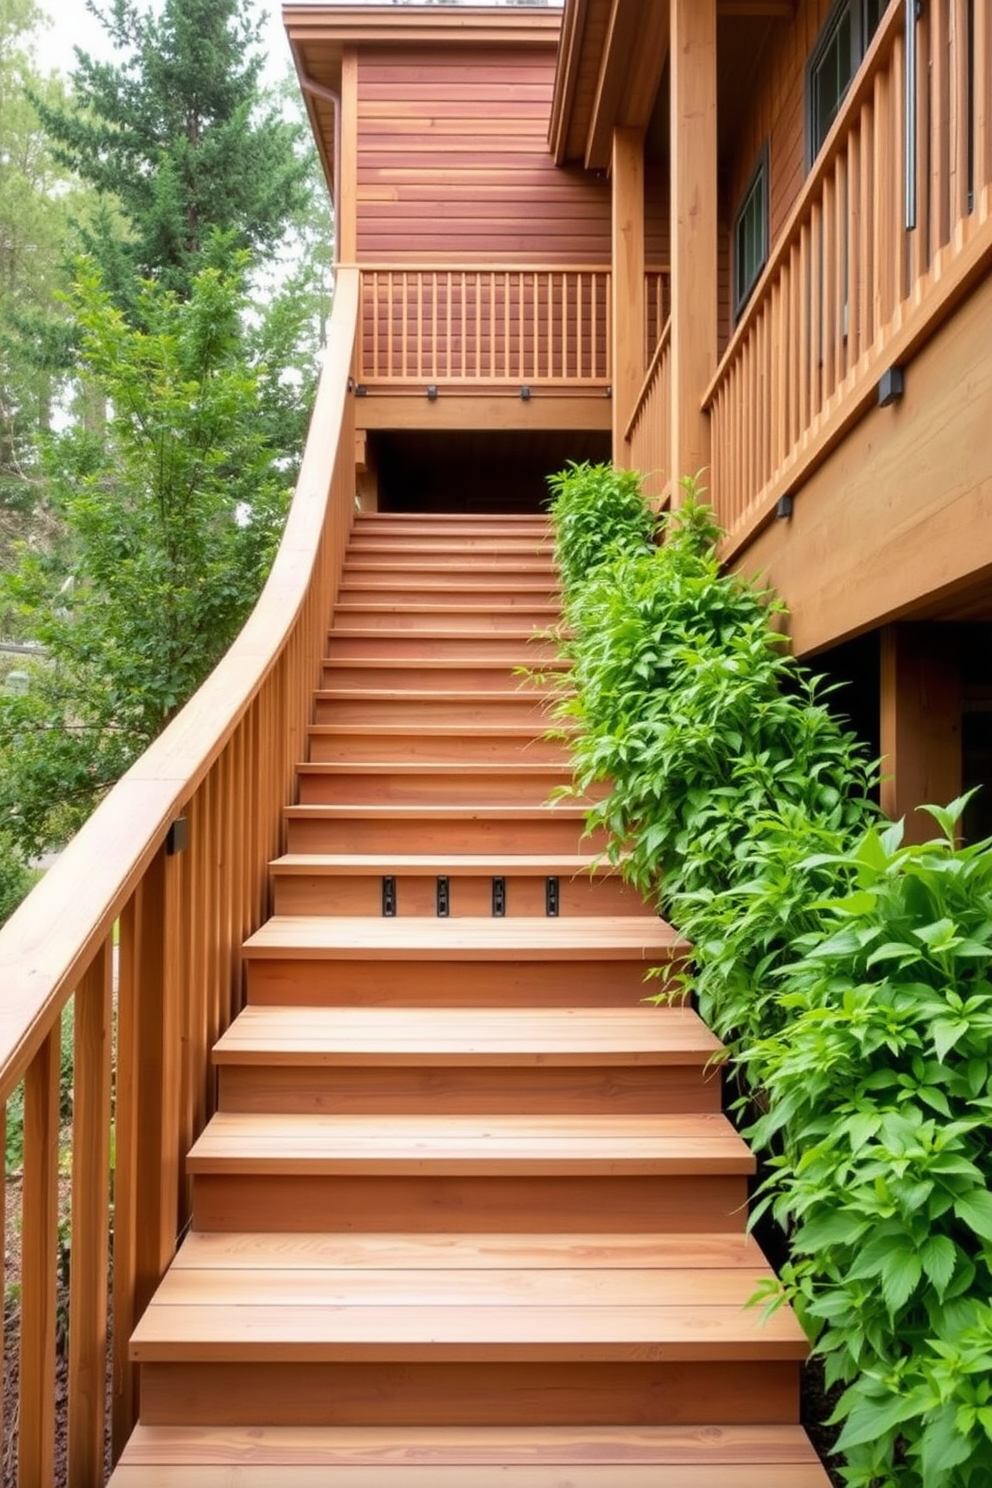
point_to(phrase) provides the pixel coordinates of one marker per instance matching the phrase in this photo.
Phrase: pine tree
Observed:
(178, 135)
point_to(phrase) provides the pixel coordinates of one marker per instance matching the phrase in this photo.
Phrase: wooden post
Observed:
(39, 1261)
(920, 724)
(694, 230)
(628, 281)
(346, 210)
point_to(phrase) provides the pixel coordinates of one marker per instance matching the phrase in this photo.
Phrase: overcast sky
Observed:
(72, 26)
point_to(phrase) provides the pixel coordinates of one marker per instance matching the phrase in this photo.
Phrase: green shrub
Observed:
(16, 879)
(598, 511)
(850, 977)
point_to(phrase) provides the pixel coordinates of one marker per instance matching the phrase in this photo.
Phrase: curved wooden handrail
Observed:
(225, 763)
(47, 943)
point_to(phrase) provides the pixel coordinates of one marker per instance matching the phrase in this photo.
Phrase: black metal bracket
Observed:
(443, 899)
(499, 898)
(177, 837)
(551, 897)
(389, 897)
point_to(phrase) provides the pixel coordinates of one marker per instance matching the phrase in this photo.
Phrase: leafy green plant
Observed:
(598, 512)
(849, 975)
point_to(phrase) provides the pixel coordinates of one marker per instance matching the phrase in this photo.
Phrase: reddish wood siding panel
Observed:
(453, 163)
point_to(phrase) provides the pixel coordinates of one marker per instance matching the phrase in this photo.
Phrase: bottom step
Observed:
(412, 1457)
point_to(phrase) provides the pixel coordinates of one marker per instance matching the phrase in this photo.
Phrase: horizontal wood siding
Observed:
(453, 162)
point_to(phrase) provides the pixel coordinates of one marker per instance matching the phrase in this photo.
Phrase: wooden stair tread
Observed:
(449, 730)
(441, 811)
(442, 664)
(281, 1143)
(468, 1036)
(642, 938)
(471, 1457)
(554, 865)
(485, 769)
(527, 695)
(450, 1251)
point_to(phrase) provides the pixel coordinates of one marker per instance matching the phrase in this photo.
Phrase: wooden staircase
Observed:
(468, 1213)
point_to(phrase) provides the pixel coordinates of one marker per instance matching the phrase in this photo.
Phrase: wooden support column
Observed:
(694, 230)
(920, 724)
(346, 210)
(628, 281)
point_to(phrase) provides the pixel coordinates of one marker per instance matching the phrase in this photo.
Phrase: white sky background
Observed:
(73, 25)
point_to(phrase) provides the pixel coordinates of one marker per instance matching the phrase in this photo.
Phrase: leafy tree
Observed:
(177, 132)
(37, 203)
(170, 517)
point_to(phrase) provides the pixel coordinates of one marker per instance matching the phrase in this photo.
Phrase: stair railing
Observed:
(163, 882)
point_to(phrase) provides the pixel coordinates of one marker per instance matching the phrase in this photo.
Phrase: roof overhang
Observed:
(611, 58)
(319, 35)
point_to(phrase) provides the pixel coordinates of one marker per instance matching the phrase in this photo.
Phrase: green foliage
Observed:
(178, 134)
(16, 878)
(849, 975)
(598, 512)
(171, 513)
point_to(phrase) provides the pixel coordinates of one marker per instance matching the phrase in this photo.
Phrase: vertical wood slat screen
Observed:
(224, 764)
(484, 325)
(847, 284)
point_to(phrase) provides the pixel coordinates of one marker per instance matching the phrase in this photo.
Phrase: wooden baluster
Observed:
(391, 300)
(405, 327)
(794, 317)
(39, 1263)
(780, 368)
(508, 364)
(866, 225)
(960, 101)
(853, 247)
(419, 350)
(940, 125)
(828, 371)
(981, 93)
(579, 301)
(804, 329)
(449, 360)
(90, 1229)
(884, 172)
(920, 261)
(434, 326)
(815, 310)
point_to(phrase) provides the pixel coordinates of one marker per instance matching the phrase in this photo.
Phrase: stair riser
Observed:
(368, 566)
(299, 894)
(509, 545)
(447, 983)
(465, 647)
(484, 590)
(300, 1203)
(412, 677)
(442, 789)
(511, 707)
(472, 1090)
(549, 834)
(314, 1394)
(451, 618)
(425, 747)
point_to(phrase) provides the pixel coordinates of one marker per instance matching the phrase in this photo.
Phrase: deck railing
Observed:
(850, 290)
(483, 325)
(649, 433)
(184, 897)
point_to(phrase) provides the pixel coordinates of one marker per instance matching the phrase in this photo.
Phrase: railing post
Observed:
(694, 230)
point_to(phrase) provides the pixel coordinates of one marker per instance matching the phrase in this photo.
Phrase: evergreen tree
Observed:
(177, 133)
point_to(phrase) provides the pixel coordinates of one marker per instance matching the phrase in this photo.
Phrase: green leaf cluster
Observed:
(170, 513)
(849, 976)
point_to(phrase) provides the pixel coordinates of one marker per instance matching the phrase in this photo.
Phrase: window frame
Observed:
(862, 32)
(760, 176)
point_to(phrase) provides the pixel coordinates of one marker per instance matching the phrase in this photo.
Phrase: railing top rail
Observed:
(663, 343)
(468, 266)
(860, 90)
(49, 941)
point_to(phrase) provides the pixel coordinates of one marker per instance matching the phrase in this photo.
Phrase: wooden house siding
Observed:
(778, 115)
(453, 162)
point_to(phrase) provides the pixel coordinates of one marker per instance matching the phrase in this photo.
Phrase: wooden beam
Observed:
(346, 210)
(633, 60)
(627, 320)
(566, 76)
(694, 228)
(920, 723)
(454, 410)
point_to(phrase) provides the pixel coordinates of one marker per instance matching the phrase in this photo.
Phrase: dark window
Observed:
(751, 234)
(836, 57)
